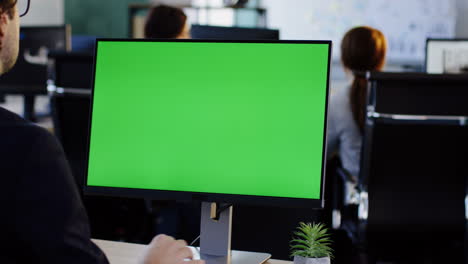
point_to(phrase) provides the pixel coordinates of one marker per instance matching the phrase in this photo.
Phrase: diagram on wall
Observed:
(406, 24)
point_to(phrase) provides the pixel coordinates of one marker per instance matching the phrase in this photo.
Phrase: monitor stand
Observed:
(215, 238)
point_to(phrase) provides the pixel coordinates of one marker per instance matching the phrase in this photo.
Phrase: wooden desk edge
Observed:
(126, 253)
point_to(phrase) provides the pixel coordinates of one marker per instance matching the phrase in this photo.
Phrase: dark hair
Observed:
(362, 49)
(8, 7)
(165, 22)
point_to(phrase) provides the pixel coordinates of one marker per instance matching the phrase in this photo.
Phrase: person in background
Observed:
(43, 218)
(167, 22)
(362, 49)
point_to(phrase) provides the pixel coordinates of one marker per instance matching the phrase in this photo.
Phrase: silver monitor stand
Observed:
(215, 238)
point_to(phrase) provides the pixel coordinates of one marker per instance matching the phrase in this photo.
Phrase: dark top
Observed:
(42, 217)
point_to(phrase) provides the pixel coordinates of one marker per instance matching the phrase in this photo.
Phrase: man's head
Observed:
(167, 22)
(9, 34)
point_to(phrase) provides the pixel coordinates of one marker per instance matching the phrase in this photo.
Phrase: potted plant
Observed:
(311, 244)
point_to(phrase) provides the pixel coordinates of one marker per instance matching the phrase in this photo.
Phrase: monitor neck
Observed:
(215, 233)
(215, 237)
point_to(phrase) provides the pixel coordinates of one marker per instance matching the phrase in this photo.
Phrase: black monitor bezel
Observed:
(438, 39)
(211, 197)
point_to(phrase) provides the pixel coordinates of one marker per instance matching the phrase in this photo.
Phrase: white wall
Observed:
(45, 12)
(406, 23)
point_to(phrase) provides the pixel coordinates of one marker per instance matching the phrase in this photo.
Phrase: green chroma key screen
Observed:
(210, 117)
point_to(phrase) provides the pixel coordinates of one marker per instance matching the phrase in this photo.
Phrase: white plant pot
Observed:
(302, 260)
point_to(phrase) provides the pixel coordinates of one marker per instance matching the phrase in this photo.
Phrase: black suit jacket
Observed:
(42, 219)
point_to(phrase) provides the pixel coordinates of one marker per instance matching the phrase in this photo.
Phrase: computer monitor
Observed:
(447, 56)
(224, 122)
(233, 33)
(35, 43)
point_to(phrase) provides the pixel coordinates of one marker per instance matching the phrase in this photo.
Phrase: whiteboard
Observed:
(406, 23)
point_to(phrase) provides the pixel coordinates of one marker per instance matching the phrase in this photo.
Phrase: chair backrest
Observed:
(418, 94)
(70, 90)
(413, 162)
(70, 113)
(71, 69)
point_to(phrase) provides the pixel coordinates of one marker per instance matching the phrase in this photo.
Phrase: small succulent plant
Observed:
(311, 241)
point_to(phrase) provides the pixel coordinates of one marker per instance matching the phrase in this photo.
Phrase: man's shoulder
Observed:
(16, 134)
(8, 119)
(23, 145)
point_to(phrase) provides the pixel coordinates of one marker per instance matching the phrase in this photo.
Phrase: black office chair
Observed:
(69, 86)
(413, 168)
(71, 70)
(70, 112)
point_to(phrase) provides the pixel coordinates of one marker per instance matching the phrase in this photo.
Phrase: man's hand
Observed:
(166, 250)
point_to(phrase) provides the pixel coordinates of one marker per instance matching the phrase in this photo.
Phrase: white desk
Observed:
(127, 253)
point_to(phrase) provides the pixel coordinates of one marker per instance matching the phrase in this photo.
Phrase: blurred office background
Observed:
(406, 24)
